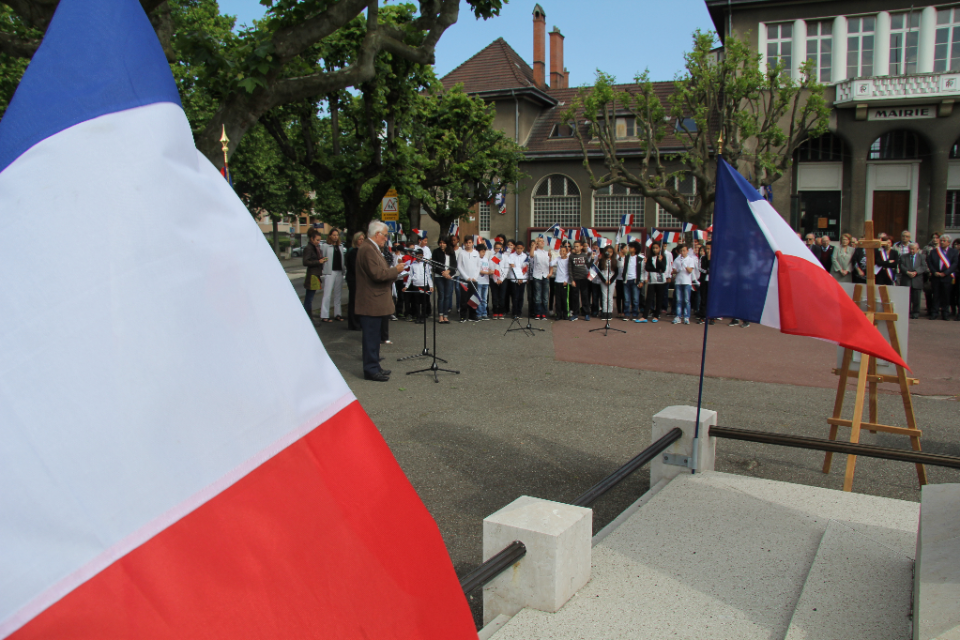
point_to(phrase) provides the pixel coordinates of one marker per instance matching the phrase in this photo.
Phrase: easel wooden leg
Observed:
(857, 419)
(838, 402)
(873, 392)
(904, 386)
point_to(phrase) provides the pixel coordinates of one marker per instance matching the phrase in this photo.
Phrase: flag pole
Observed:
(706, 320)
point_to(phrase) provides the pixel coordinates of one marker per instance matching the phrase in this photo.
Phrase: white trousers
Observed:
(332, 288)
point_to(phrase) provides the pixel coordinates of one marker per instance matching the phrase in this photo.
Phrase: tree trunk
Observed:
(413, 212)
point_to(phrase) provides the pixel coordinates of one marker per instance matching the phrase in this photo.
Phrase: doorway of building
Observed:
(891, 212)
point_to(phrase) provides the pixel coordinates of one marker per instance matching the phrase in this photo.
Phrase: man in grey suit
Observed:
(912, 267)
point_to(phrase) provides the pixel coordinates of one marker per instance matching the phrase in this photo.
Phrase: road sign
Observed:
(291, 230)
(390, 207)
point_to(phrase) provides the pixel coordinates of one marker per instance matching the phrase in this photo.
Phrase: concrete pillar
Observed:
(684, 417)
(799, 47)
(936, 586)
(881, 51)
(839, 73)
(858, 188)
(557, 563)
(939, 168)
(928, 36)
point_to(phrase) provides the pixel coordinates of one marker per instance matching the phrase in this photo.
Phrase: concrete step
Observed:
(937, 578)
(715, 556)
(857, 587)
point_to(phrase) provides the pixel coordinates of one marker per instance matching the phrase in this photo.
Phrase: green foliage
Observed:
(456, 157)
(11, 68)
(761, 115)
(265, 181)
(200, 34)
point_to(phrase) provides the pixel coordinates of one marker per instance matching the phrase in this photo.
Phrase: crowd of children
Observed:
(579, 279)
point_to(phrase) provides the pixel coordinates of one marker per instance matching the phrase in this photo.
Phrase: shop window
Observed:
(826, 148)
(896, 145)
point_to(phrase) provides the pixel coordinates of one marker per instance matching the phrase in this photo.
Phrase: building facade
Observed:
(893, 74)
(892, 153)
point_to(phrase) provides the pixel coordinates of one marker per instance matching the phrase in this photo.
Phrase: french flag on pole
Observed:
(168, 470)
(762, 272)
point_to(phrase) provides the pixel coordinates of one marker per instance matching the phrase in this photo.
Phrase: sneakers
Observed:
(655, 320)
(744, 325)
(393, 317)
(587, 318)
(485, 318)
(574, 318)
(734, 323)
(676, 320)
(686, 321)
(626, 319)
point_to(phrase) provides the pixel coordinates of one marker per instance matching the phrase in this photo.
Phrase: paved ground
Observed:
(520, 421)
(756, 353)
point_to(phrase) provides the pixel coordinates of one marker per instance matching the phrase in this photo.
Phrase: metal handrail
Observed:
(496, 565)
(597, 491)
(835, 446)
(493, 567)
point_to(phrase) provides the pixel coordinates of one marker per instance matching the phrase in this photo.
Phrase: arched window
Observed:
(826, 148)
(556, 200)
(611, 203)
(897, 145)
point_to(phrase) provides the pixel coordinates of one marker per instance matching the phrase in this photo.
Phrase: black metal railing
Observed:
(496, 565)
(493, 567)
(835, 446)
(597, 491)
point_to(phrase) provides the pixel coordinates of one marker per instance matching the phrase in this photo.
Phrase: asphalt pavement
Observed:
(518, 421)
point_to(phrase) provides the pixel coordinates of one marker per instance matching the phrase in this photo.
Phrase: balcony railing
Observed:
(934, 86)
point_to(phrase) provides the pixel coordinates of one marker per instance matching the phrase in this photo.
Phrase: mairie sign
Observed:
(902, 113)
(390, 207)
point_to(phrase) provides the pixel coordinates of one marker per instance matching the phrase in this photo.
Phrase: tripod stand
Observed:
(529, 329)
(426, 352)
(609, 313)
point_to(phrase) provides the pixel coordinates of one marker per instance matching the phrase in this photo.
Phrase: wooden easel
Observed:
(867, 376)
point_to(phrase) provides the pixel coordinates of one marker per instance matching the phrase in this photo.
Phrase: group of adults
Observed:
(931, 269)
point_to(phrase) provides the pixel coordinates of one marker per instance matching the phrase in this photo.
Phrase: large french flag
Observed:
(761, 271)
(179, 458)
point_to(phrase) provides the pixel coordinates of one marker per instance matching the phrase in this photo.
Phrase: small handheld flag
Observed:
(672, 236)
(687, 227)
(501, 201)
(454, 228)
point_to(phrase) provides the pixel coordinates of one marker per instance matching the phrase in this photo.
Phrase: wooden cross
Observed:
(867, 376)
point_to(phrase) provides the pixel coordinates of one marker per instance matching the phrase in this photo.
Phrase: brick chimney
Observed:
(558, 79)
(539, 47)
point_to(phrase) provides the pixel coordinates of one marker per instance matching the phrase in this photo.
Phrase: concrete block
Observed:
(852, 568)
(937, 573)
(684, 417)
(557, 563)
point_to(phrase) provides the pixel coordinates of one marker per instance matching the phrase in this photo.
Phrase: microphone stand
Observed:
(426, 352)
(529, 329)
(610, 287)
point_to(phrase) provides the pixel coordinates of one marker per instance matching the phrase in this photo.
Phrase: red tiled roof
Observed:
(540, 142)
(496, 67)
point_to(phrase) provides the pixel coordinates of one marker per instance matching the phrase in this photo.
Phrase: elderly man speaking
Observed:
(374, 302)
